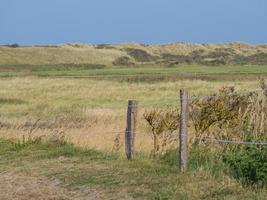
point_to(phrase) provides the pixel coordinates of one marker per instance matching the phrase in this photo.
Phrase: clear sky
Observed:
(143, 21)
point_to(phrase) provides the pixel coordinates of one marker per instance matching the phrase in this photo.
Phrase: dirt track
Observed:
(20, 187)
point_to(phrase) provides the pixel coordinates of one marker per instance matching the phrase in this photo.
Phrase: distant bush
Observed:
(46, 46)
(104, 46)
(218, 56)
(15, 45)
(213, 62)
(255, 59)
(177, 59)
(124, 60)
(225, 53)
(249, 164)
(140, 55)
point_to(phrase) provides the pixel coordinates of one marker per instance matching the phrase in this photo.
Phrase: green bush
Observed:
(249, 164)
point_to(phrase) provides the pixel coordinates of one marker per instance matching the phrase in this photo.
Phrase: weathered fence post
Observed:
(264, 87)
(130, 129)
(183, 130)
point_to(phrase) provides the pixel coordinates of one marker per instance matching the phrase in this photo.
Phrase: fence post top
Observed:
(131, 101)
(183, 90)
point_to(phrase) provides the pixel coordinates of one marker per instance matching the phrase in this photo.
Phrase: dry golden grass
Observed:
(58, 55)
(90, 113)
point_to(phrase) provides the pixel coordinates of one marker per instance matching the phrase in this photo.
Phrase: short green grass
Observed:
(117, 178)
(132, 71)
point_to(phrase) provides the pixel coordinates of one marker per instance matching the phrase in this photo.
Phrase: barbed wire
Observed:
(205, 139)
(229, 141)
(110, 132)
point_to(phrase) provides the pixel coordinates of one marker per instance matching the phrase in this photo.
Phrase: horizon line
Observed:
(125, 43)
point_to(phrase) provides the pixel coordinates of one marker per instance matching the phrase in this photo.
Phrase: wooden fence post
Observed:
(183, 130)
(264, 88)
(130, 129)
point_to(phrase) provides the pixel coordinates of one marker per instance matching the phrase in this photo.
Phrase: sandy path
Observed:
(20, 187)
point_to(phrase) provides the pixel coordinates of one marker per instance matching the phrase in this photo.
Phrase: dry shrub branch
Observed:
(226, 114)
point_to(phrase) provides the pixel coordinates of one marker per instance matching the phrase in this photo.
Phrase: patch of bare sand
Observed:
(20, 187)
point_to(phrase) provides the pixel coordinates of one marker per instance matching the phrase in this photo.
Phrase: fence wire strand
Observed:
(229, 141)
(207, 139)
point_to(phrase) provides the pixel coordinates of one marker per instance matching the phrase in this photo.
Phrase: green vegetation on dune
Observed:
(177, 54)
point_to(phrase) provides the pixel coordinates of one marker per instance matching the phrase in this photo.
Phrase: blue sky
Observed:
(143, 21)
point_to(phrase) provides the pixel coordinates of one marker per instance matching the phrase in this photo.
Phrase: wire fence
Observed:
(192, 137)
(204, 138)
(209, 139)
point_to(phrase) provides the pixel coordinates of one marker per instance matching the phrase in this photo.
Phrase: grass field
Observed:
(87, 110)
(90, 113)
(126, 71)
(66, 172)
